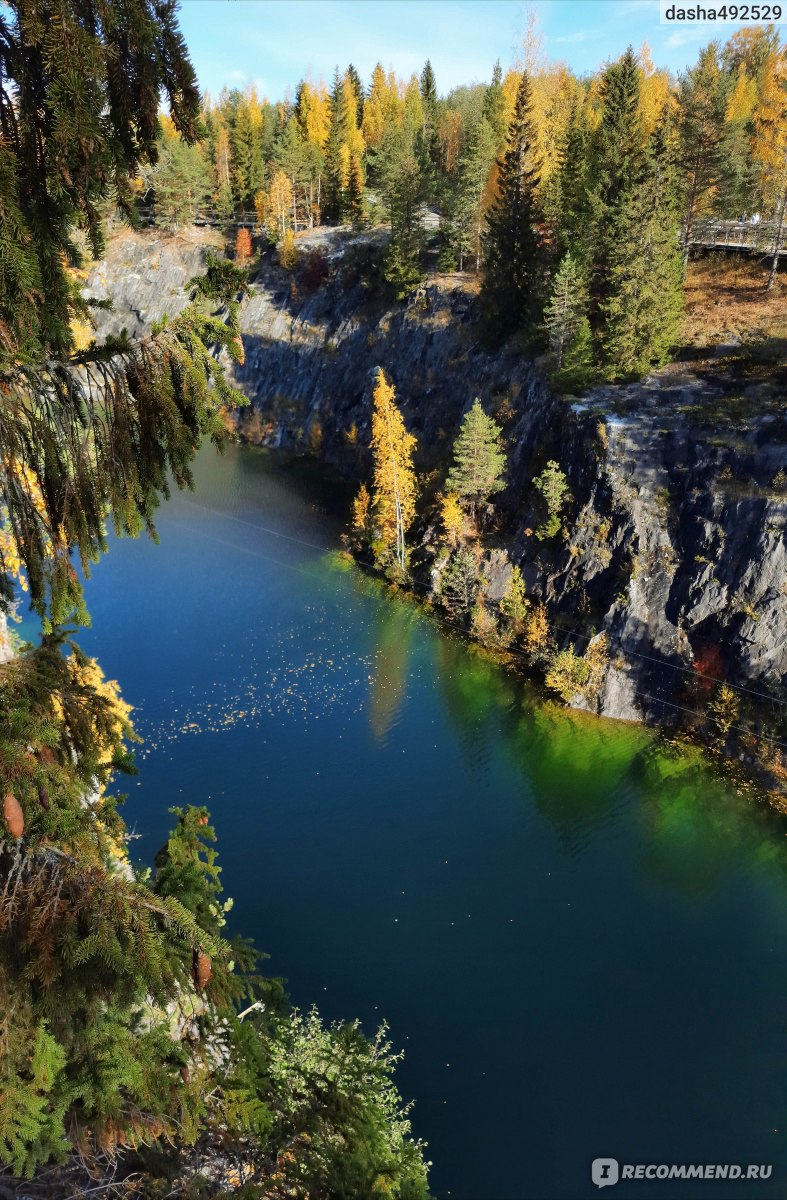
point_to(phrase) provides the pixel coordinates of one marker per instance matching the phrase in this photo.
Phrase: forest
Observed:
(575, 200)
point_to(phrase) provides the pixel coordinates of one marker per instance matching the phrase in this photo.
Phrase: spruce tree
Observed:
(180, 182)
(333, 196)
(617, 162)
(479, 463)
(429, 133)
(494, 107)
(402, 184)
(75, 126)
(574, 220)
(464, 218)
(247, 152)
(703, 97)
(513, 245)
(566, 307)
(642, 309)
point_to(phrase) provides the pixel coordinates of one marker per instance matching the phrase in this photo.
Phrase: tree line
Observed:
(574, 198)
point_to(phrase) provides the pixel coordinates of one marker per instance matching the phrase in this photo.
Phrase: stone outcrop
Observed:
(674, 543)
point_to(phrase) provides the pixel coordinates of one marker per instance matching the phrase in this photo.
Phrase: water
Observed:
(578, 940)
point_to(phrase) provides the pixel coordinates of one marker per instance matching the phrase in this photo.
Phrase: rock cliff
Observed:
(674, 543)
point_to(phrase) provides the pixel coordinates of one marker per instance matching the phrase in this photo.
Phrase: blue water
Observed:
(577, 938)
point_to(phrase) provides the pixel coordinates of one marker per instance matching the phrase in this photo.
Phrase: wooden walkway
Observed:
(748, 236)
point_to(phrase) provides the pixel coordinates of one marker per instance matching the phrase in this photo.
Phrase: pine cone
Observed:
(43, 796)
(15, 818)
(200, 969)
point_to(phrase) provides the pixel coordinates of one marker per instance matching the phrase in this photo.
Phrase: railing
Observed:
(756, 236)
(208, 216)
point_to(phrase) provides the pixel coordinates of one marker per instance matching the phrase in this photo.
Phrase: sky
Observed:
(275, 43)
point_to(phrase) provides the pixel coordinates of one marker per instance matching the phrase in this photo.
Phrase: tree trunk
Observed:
(777, 242)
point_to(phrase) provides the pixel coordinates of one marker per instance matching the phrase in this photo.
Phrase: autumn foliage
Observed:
(242, 246)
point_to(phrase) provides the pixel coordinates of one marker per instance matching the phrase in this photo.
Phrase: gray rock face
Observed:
(145, 276)
(674, 542)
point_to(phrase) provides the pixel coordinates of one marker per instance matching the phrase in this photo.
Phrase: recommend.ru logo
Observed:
(606, 1171)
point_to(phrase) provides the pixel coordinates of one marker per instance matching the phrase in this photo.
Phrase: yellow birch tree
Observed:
(769, 147)
(393, 482)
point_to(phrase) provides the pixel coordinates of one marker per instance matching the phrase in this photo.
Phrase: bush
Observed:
(568, 674)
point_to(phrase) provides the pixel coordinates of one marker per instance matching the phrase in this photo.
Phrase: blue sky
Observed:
(276, 42)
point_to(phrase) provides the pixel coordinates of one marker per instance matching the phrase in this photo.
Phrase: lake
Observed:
(576, 935)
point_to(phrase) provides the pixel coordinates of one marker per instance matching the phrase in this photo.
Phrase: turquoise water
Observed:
(578, 940)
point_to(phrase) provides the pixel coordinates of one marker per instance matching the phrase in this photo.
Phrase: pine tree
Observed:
(344, 143)
(512, 245)
(460, 582)
(247, 150)
(394, 483)
(356, 194)
(515, 603)
(577, 370)
(479, 463)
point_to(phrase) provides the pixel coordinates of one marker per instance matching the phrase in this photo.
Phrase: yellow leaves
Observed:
(275, 205)
(743, 98)
(168, 129)
(253, 106)
(381, 109)
(315, 113)
(413, 109)
(88, 675)
(452, 516)
(654, 92)
(361, 508)
(82, 333)
(261, 206)
(394, 483)
(288, 251)
(536, 637)
(10, 556)
(449, 132)
(769, 145)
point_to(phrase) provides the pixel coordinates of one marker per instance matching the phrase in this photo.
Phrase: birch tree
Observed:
(393, 481)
